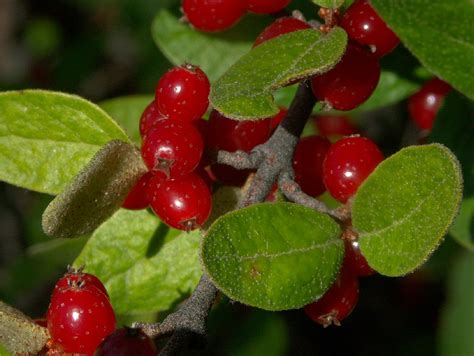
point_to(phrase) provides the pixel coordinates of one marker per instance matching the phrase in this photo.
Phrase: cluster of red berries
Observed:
(173, 144)
(81, 320)
(220, 15)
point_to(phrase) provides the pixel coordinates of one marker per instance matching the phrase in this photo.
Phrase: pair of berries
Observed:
(219, 15)
(172, 149)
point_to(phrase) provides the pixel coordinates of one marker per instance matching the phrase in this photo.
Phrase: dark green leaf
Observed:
(439, 33)
(47, 137)
(127, 111)
(245, 90)
(273, 256)
(404, 208)
(214, 53)
(134, 252)
(457, 319)
(96, 193)
(463, 228)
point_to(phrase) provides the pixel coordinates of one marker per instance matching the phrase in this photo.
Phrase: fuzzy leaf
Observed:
(47, 137)
(96, 192)
(134, 252)
(439, 33)
(245, 90)
(127, 111)
(213, 52)
(273, 256)
(404, 208)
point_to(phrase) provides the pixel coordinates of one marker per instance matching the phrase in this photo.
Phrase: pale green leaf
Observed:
(273, 256)
(330, 4)
(405, 207)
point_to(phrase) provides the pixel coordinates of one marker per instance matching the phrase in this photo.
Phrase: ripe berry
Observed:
(266, 6)
(183, 203)
(348, 163)
(280, 27)
(172, 149)
(232, 135)
(182, 93)
(365, 26)
(73, 276)
(149, 117)
(125, 342)
(137, 198)
(350, 82)
(354, 261)
(79, 318)
(308, 164)
(333, 125)
(213, 15)
(337, 303)
(425, 104)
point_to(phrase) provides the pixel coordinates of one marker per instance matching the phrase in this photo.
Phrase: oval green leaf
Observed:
(47, 137)
(446, 50)
(273, 256)
(245, 90)
(405, 207)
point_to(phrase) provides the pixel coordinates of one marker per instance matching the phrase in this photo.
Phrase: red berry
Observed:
(350, 82)
(137, 198)
(266, 6)
(425, 104)
(149, 117)
(308, 164)
(348, 163)
(182, 93)
(333, 125)
(232, 135)
(183, 203)
(73, 276)
(213, 15)
(354, 261)
(280, 27)
(365, 26)
(79, 318)
(337, 303)
(126, 342)
(172, 149)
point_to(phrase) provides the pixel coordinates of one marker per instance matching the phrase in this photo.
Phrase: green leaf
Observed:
(47, 137)
(273, 256)
(404, 208)
(463, 228)
(215, 52)
(245, 90)
(144, 266)
(127, 111)
(439, 33)
(329, 4)
(457, 318)
(96, 192)
(3, 351)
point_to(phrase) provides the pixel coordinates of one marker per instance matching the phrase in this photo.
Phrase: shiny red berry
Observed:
(266, 6)
(149, 117)
(213, 15)
(172, 149)
(334, 125)
(354, 261)
(337, 303)
(280, 27)
(308, 164)
(126, 342)
(348, 163)
(79, 318)
(182, 93)
(351, 82)
(137, 198)
(365, 26)
(74, 275)
(425, 104)
(183, 203)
